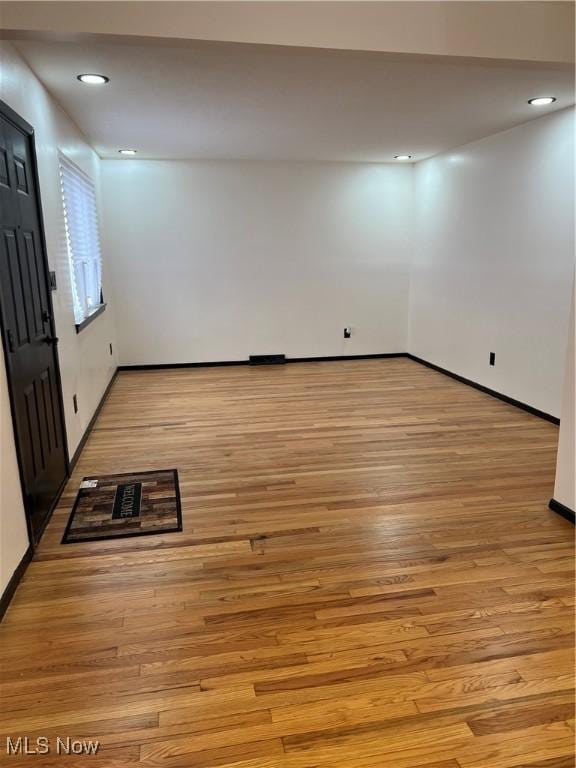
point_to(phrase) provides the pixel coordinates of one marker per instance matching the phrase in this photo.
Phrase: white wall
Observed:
(219, 260)
(495, 257)
(13, 531)
(85, 361)
(565, 485)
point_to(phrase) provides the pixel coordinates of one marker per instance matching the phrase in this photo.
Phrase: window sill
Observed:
(97, 312)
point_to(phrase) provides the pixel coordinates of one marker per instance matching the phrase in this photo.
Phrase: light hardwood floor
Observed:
(368, 577)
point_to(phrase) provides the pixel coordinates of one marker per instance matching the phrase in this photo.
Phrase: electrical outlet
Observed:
(75, 401)
(492, 358)
(347, 333)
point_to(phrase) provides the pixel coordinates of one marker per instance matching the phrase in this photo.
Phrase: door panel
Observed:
(28, 329)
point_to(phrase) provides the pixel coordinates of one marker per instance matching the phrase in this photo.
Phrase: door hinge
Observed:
(10, 339)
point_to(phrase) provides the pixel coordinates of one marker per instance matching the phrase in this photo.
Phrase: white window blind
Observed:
(82, 238)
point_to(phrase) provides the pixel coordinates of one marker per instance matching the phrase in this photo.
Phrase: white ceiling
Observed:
(525, 30)
(221, 100)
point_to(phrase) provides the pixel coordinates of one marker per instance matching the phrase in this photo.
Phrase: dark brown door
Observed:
(28, 328)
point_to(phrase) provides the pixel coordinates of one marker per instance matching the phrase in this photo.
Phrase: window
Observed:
(83, 240)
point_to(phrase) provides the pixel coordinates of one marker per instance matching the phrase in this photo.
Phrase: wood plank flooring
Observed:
(368, 577)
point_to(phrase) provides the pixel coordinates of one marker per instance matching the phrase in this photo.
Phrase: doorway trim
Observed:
(9, 114)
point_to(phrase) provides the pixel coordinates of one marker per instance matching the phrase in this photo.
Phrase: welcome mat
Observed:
(131, 504)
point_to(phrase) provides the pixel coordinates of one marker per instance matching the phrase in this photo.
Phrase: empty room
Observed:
(287, 451)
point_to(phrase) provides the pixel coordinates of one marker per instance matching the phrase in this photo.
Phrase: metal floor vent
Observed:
(267, 359)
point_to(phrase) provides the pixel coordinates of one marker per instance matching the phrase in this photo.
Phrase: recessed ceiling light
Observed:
(542, 101)
(127, 151)
(93, 79)
(402, 157)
